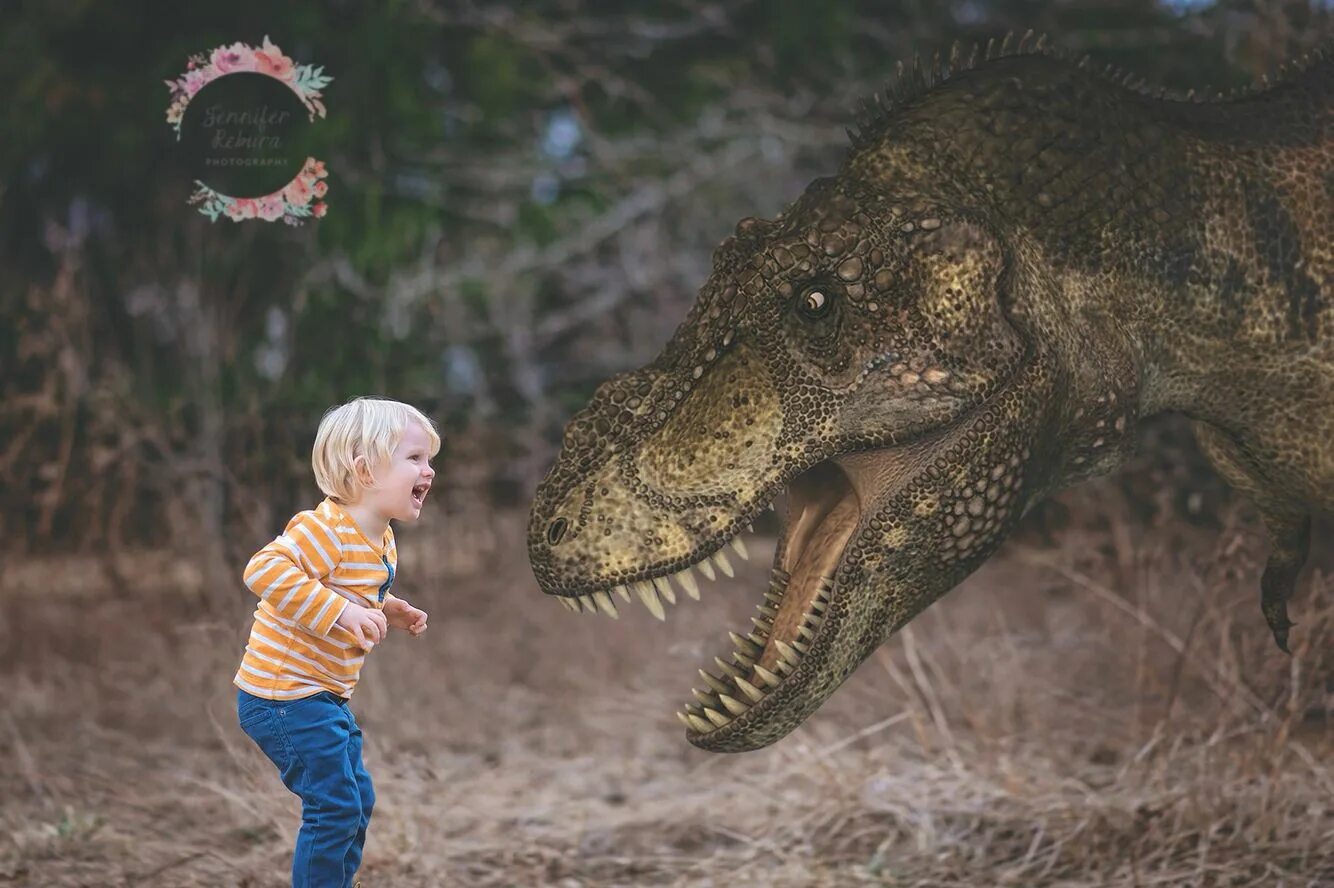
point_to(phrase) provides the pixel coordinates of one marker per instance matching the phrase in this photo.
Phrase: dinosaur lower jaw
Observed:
(747, 703)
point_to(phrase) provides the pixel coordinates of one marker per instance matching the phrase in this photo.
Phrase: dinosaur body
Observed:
(1018, 261)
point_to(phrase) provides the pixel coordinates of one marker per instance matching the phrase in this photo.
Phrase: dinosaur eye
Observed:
(814, 303)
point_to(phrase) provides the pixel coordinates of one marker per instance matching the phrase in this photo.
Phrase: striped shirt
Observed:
(304, 579)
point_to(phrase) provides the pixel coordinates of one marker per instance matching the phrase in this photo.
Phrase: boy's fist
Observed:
(368, 625)
(404, 616)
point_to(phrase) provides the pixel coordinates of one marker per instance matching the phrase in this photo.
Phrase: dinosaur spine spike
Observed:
(1005, 43)
(1023, 41)
(936, 75)
(954, 56)
(972, 57)
(1042, 39)
(1084, 62)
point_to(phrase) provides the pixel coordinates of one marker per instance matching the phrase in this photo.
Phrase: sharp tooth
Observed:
(767, 611)
(699, 724)
(685, 720)
(605, 603)
(665, 589)
(766, 676)
(754, 693)
(707, 569)
(771, 508)
(744, 645)
(762, 624)
(734, 706)
(805, 633)
(716, 717)
(799, 646)
(694, 709)
(757, 639)
(818, 606)
(713, 682)
(568, 604)
(784, 667)
(706, 699)
(728, 668)
(815, 620)
(786, 650)
(750, 528)
(587, 602)
(775, 597)
(720, 559)
(687, 581)
(744, 659)
(649, 596)
(623, 592)
(740, 547)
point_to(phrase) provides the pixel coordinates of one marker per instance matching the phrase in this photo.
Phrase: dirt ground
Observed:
(1105, 708)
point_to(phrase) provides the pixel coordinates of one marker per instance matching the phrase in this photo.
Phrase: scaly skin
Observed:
(1018, 260)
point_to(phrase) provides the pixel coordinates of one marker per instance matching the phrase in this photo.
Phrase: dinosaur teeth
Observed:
(716, 717)
(706, 569)
(606, 605)
(664, 589)
(649, 596)
(740, 546)
(766, 676)
(623, 592)
(734, 706)
(789, 654)
(720, 558)
(754, 693)
(728, 668)
(687, 582)
(745, 645)
(714, 683)
(699, 724)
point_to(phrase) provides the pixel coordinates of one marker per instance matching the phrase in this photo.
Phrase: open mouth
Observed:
(823, 511)
(419, 492)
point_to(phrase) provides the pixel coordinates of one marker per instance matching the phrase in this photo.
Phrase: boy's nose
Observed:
(429, 473)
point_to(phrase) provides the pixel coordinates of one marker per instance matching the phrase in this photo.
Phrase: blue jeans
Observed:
(316, 744)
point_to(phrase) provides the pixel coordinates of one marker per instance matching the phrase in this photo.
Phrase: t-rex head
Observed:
(854, 354)
(894, 352)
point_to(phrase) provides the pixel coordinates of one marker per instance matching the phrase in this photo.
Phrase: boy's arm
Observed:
(287, 573)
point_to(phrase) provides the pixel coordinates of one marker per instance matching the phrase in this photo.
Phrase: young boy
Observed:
(323, 588)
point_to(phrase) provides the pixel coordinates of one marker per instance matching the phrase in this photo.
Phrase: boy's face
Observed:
(402, 483)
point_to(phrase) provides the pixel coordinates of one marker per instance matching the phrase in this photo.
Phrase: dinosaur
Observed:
(1020, 258)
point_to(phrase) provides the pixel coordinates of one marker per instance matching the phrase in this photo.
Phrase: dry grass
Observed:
(1107, 710)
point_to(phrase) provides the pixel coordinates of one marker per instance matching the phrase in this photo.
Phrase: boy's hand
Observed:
(367, 624)
(404, 616)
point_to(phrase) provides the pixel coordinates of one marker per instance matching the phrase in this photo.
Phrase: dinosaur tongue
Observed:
(823, 512)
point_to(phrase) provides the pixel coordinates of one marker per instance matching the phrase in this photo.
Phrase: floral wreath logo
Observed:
(293, 202)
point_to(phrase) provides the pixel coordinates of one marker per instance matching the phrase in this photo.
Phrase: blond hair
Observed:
(363, 427)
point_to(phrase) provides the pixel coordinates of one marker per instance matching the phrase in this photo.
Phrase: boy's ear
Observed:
(361, 468)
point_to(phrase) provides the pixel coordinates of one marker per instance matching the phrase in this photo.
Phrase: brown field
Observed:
(1103, 706)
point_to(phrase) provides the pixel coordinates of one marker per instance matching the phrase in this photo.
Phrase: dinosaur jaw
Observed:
(777, 674)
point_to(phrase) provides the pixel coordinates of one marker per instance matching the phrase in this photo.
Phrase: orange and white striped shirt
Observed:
(304, 579)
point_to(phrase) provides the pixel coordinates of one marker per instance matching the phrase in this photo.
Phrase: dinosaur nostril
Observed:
(556, 530)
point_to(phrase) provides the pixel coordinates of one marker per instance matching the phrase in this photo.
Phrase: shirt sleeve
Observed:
(287, 574)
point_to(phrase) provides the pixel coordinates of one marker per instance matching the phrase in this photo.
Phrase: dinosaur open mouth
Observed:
(822, 511)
